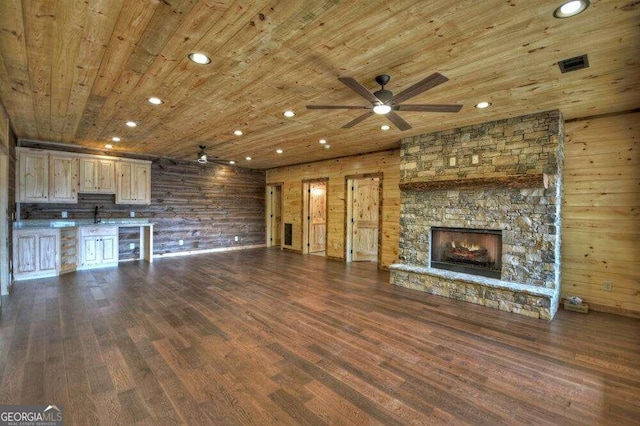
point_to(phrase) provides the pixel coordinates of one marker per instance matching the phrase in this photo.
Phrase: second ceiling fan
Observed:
(385, 103)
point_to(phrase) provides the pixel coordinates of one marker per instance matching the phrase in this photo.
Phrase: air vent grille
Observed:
(574, 64)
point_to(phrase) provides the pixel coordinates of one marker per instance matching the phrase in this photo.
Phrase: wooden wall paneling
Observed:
(337, 171)
(601, 212)
(205, 205)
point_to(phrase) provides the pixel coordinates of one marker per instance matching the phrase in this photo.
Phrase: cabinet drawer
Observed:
(98, 231)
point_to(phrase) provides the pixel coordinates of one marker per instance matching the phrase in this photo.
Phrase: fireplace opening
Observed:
(471, 251)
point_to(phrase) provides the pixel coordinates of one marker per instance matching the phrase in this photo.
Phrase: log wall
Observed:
(338, 171)
(205, 205)
(601, 213)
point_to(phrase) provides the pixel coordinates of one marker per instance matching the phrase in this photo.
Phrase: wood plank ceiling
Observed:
(73, 71)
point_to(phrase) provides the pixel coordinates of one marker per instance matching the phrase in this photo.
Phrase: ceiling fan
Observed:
(385, 103)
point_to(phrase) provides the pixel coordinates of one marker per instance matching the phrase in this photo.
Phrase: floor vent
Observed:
(574, 64)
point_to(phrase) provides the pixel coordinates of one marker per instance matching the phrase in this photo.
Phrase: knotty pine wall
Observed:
(205, 205)
(601, 212)
(337, 171)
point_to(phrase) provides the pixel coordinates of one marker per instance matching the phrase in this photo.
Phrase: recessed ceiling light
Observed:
(279, 151)
(327, 146)
(248, 158)
(482, 105)
(323, 141)
(199, 58)
(232, 162)
(131, 123)
(238, 132)
(108, 146)
(155, 101)
(289, 113)
(381, 109)
(385, 127)
(115, 139)
(571, 8)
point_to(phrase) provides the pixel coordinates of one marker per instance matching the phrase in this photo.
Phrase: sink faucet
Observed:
(96, 217)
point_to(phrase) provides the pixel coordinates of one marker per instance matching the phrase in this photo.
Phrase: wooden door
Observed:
(89, 251)
(276, 215)
(317, 216)
(365, 211)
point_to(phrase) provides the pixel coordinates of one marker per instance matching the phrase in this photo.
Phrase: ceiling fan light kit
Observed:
(202, 155)
(384, 102)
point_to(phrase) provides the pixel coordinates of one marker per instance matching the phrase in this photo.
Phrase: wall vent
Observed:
(574, 64)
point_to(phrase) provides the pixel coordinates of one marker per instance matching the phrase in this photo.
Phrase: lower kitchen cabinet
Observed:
(36, 253)
(98, 246)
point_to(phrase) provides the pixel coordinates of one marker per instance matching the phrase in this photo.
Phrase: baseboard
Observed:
(212, 250)
(614, 310)
(292, 250)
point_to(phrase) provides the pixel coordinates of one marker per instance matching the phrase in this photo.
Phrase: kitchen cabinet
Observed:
(98, 246)
(68, 249)
(36, 253)
(33, 176)
(97, 175)
(46, 177)
(63, 178)
(133, 182)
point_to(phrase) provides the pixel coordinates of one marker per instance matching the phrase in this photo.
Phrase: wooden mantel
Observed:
(498, 182)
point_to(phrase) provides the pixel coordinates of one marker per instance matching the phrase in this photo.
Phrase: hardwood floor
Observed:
(270, 337)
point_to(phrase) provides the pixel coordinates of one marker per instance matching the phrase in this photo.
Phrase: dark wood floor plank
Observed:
(270, 337)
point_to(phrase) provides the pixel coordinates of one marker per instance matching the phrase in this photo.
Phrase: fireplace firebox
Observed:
(470, 251)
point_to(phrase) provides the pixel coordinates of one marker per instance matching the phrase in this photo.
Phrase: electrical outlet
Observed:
(132, 246)
(607, 286)
(65, 215)
(236, 238)
(132, 214)
(475, 159)
(180, 242)
(452, 161)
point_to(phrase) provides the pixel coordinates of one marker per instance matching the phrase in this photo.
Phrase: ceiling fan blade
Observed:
(398, 121)
(428, 108)
(430, 82)
(337, 107)
(358, 120)
(352, 84)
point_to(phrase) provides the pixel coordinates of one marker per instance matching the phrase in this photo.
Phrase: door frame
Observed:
(306, 184)
(268, 197)
(348, 213)
(5, 273)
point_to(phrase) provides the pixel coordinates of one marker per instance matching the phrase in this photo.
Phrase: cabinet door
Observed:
(134, 183)
(33, 177)
(106, 176)
(48, 253)
(97, 175)
(63, 179)
(26, 254)
(142, 183)
(109, 245)
(89, 250)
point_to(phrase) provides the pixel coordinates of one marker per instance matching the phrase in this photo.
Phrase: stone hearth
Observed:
(505, 176)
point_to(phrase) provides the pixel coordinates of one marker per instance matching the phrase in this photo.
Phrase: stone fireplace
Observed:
(480, 214)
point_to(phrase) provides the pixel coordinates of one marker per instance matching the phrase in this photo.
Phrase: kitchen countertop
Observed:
(69, 223)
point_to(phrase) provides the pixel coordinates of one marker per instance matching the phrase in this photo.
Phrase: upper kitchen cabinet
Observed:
(133, 182)
(97, 175)
(46, 177)
(33, 176)
(63, 178)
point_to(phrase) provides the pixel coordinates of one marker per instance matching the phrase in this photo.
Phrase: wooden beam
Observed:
(497, 182)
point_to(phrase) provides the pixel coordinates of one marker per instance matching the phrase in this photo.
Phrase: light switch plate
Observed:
(132, 246)
(452, 161)
(132, 214)
(65, 215)
(475, 159)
